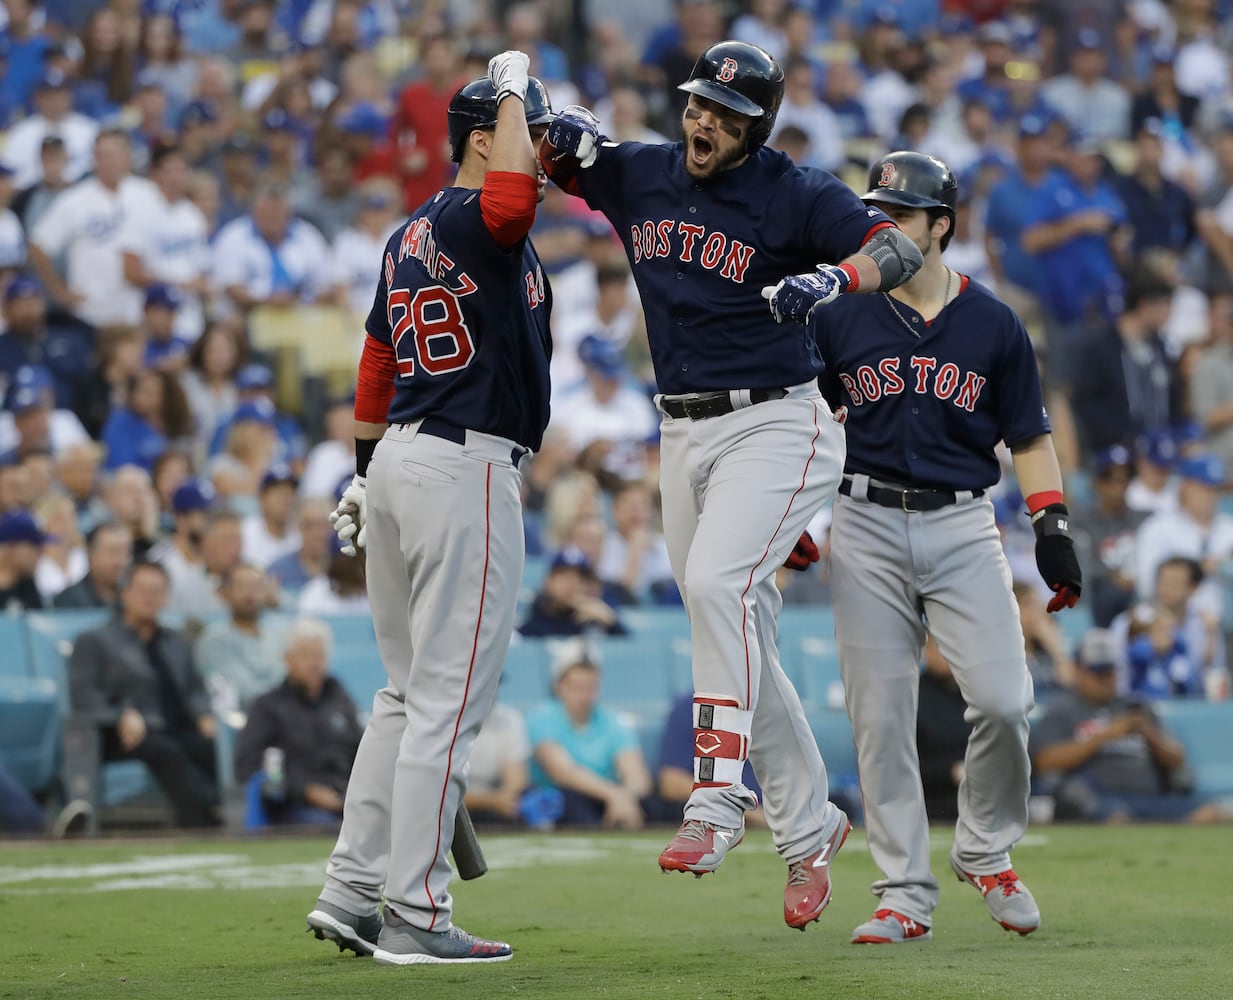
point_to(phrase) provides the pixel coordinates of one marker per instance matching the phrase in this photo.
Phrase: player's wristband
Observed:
(1039, 501)
(854, 277)
(364, 447)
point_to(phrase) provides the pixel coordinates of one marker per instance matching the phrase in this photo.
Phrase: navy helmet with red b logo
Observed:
(917, 181)
(745, 79)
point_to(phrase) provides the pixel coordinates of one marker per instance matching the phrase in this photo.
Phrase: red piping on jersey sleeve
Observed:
(507, 205)
(375, 382)
(876, 229)
(563, 172)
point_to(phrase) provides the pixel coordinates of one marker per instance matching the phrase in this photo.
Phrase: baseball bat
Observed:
(468, 855)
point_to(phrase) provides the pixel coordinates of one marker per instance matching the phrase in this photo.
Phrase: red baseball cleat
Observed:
(699, 847)
(809, 880)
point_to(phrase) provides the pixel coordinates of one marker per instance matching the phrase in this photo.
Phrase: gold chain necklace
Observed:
(899, 316)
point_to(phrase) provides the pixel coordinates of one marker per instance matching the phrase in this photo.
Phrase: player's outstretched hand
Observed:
(509, 73)
(1055, 556)
(574, 132)
(804, 555)
(797, 296)
(350, 518)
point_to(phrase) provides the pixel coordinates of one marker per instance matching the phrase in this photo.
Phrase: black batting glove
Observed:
(1055, 556)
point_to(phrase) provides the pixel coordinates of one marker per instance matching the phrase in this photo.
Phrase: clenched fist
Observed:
(574, 132)
(509, 74)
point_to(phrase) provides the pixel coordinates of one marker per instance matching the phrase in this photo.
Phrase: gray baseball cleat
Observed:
(402, 944)
(1007, 898)
(890, 927)
(347, 930)
(699, 847)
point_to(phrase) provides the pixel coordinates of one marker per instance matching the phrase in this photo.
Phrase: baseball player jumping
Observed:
(749, 449)
(934, 375)
(452, 393)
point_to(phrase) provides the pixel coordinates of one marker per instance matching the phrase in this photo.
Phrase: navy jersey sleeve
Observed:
(1020, 404)
(377, 325)
(833, 221)
(601, 182)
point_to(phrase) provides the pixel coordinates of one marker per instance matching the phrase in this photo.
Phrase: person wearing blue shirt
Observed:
(164, 350)
(587, 751)
(63, 348)
(913, 17)
(992, 88)
(1160, 211)
(255, 383)
(134, 433)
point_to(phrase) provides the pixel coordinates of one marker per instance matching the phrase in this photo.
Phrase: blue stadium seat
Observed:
(15, 662)
(29, 730)
(1205, 729)
(637, 674)
(50, 635)
(833, 731)
(524, 682)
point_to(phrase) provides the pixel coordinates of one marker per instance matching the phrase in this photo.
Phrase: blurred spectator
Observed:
(1196, 530)
(63, 559)
(622, 116)
(1105, 537)
(992, 88)
(526, 31)
(1160, 662)
(204, 192)
(201, 143)
(293, 571)
(792, 142)
(238, 176)
(255, 387)
(282, 149)
(78, 475)
(86, 225)
(109, 550)
(362, 130)
(763, 26)
(171, 471)
(154, 415)
(53, 115)
(270, 533)
(1160, 211)
(671, 53)
(967, 253)
(942, 734)
(1211, 385)
(165, 240)
(419, 125)
(606, 416)
(32, 423)
(108, 65)
(1047, 660)
(568, 602)
(61, 348)
(1123, 383)
(802, 108)
(358, 246)
(674, 781)
(239, 656)
(220, 554)
(21, 813)
(34, 199)
(311, 718)
(1161, 99)
(160, 58)
(150, 129)
(1103, 756)
(164, 351)
(1085, 97)
(634, 562)
(248, 454)
(327, 197)
(268, 257)
(129, 498)
(333, 458)
(181, 554)
(841, 91)
(21, 545)
(342, 590)
(1154, 486)
(497, 774)
(1215, 217)
(209, 382)
(576, 293)
(12, 236)
(586, 750)
(137, 679)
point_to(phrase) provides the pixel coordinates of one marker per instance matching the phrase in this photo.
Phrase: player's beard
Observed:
(718, 162)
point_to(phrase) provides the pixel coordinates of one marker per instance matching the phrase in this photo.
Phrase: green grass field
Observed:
(1138, 912)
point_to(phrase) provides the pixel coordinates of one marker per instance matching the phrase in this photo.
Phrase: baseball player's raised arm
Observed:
(510, 190)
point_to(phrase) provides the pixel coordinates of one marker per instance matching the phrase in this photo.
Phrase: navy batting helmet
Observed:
(917, 181)
(742, 77)
(475, 106)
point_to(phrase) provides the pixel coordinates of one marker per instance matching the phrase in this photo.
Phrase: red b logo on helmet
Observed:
(888, 175)
(727, 70)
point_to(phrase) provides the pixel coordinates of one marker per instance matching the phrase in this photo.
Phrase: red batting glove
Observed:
(804, 554)
(1063, 597)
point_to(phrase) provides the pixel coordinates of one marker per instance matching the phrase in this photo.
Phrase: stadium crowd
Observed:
(180, 177)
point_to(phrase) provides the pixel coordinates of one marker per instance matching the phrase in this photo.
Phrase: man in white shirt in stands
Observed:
(606, 412)
(269, 258)
(360, 244)
(1197, 530)
(12, 237)
(802, 107)
(84, 224)
(165, 240)
(53, 115)
(270, 533)
(32, 421)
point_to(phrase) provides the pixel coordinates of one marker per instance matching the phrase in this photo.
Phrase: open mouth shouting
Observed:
(701, 149)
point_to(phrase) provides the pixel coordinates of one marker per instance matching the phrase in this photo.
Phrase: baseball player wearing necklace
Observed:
(749, 449)
(934, 374)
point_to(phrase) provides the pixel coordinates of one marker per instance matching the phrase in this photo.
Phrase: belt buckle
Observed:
(903, 501)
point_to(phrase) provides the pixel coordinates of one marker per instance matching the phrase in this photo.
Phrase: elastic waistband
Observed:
(490, 447)
(910, 499)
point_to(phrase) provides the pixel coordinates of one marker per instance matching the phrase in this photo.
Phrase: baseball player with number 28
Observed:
(452, 393)
(934, 374)
(749, 451)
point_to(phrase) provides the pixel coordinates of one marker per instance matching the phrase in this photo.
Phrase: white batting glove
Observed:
(509, 74)
(350, 518)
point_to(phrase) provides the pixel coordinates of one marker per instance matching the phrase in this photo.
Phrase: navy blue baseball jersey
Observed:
(701, 252)
(928, 402)
(468, 323)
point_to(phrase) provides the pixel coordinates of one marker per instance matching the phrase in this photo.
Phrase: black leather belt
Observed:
(434, 427)
(913, 501)
(701, 405)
